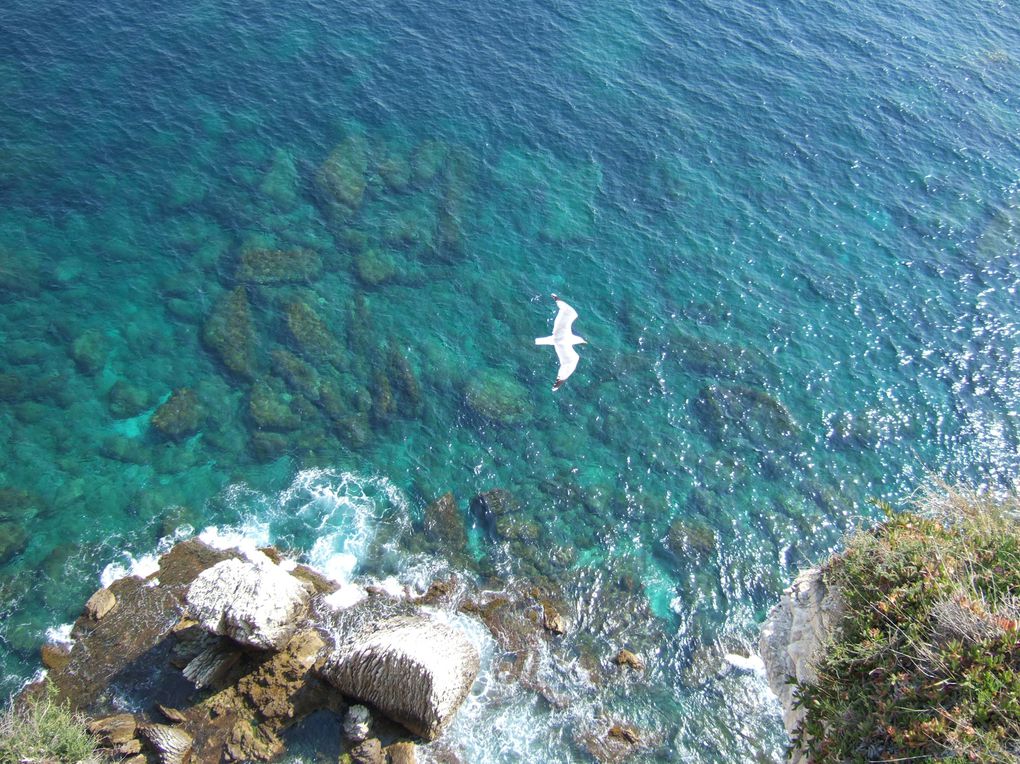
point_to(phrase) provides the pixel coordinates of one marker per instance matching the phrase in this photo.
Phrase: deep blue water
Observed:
(790, 230)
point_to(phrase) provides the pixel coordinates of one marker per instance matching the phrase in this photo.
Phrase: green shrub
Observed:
(39, 729)
(926, 664)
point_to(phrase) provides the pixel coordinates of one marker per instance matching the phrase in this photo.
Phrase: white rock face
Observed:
(793, 636)
(414, 669)
(255, 602)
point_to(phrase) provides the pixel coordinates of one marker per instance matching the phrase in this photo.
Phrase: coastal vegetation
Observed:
(926, 662)
(39, 728)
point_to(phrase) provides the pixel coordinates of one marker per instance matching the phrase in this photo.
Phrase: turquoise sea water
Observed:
(791, 232)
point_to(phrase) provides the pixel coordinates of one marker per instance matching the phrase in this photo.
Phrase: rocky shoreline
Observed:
(793, 637)
(219, 654)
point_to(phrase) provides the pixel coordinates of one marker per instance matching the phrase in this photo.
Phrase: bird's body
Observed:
(563, 339)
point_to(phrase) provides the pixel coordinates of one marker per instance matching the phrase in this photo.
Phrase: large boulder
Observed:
(415, 669)
(254, 603)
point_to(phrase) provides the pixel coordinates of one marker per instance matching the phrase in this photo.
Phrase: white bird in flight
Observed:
(563, 339)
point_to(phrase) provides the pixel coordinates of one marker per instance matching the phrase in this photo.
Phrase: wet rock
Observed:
(497, 397)
(627, 659)
(250, 742)
(253, 604)
(282, 689)
(100, 604)
(357, 724)
(180, 416)
(89, 352)
(230, 333)
(367, 752)
(374, 267)
(490, 506)
(552, 619)
(270, 408)
(172, 715)
(414, 669)
(54, 656)
(171, 744)
(342, 176)
(125, 400)
(401, 753)
(300, 376)
(312, 335)
(276, 266)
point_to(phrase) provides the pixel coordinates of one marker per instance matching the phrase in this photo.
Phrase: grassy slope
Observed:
(927, 665)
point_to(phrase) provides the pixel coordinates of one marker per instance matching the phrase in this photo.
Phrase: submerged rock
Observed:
(357, 724)
(737, 410)
(374, 267)
(230, 333)
(280, 183)
(497, 397)
(276, 266)
(270, 408)
(312, 335)
(342, 176)
(180, 416)
(89, 351)
(125, 400)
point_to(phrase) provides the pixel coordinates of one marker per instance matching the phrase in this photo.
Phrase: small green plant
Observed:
(926, 663)
(38, 729)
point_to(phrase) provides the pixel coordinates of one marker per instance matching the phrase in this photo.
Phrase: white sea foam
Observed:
(142, 567)
(60, 635)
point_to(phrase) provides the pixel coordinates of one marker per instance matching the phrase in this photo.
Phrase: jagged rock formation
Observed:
(232, 649)
(793, 636)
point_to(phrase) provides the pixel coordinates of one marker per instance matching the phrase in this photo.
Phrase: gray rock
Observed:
(414, 669)
(793, 636)
(357, 724)
(254, 604)
(171, 743)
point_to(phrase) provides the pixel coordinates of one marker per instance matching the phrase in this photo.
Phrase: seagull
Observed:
(563, 339)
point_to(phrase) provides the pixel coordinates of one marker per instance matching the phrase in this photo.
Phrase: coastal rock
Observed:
(299, 376)
(357, 724)
(172, 744)
(793, 635)
(401, 753)
(113, 731)
(629, 660)
(180, 416)
(253, 604)
(280, 183)
(230, 333)
(270, 408)
(726, 411)
(99, 604)
(13, 540)
(416, 670)
(491, 506)
(54, 656)
(367, 752)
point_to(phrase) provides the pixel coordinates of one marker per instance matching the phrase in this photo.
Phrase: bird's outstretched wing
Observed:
(568, 362)
(564, 320)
